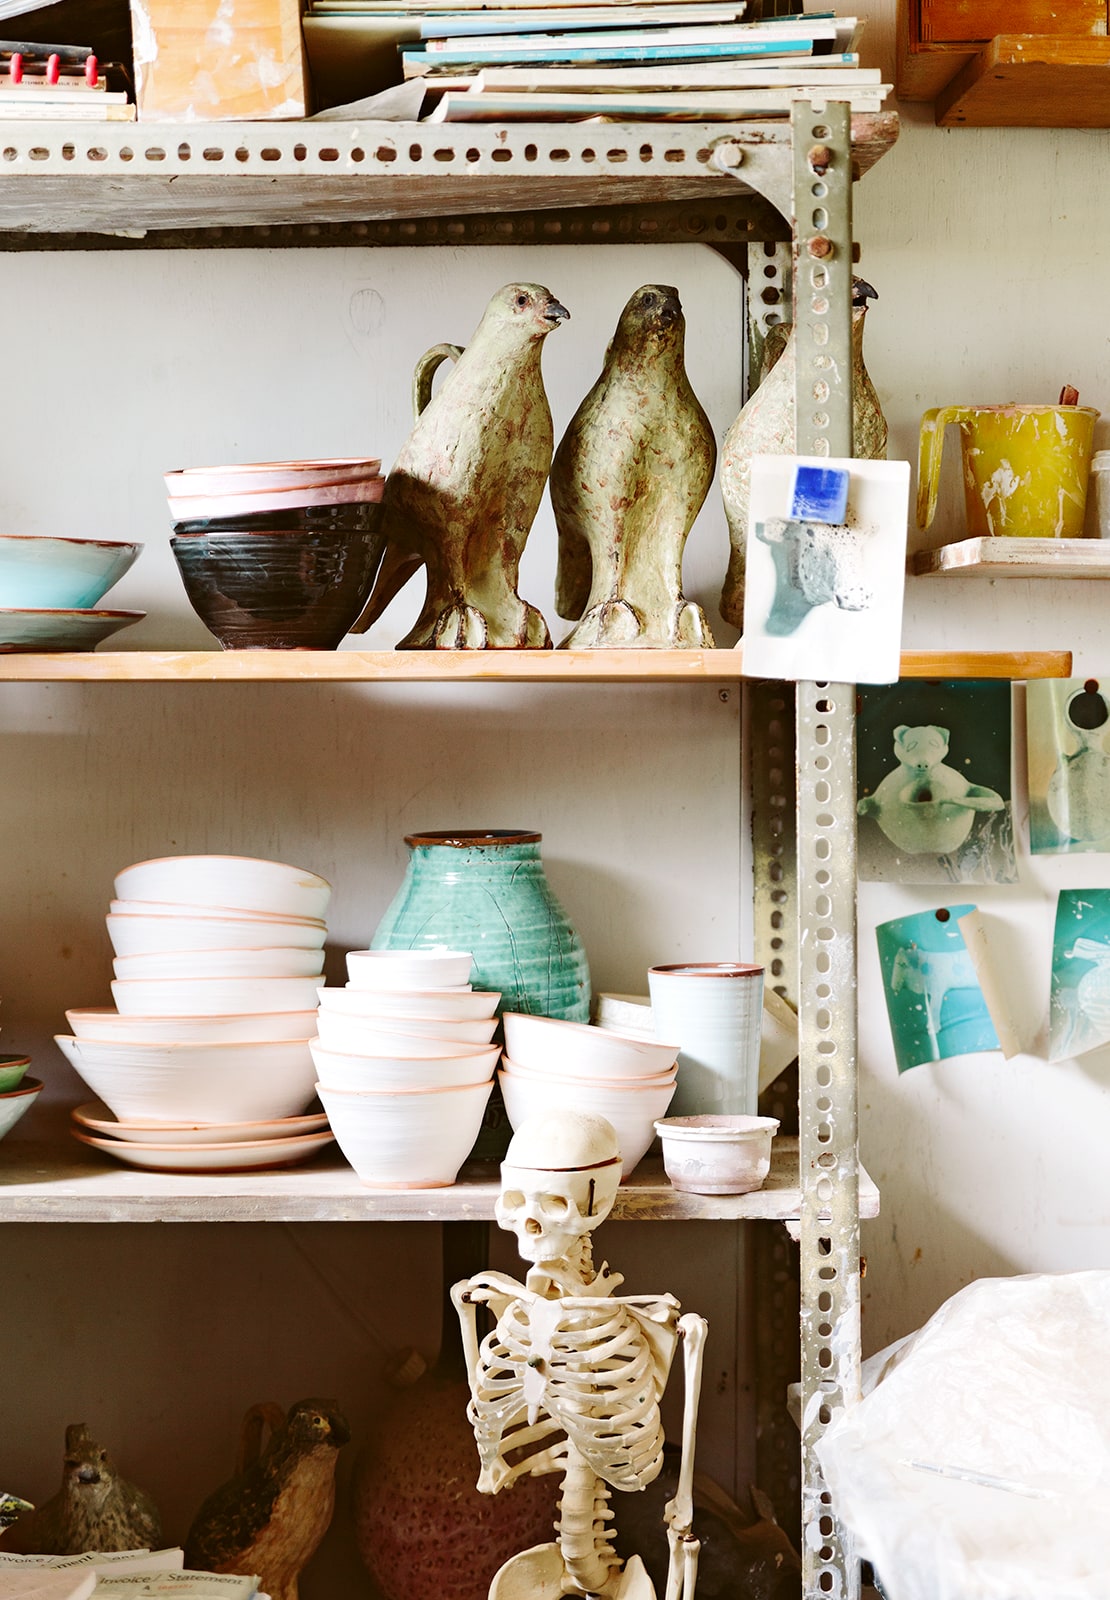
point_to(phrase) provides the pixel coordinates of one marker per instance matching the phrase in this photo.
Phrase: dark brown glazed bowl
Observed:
(282, 591)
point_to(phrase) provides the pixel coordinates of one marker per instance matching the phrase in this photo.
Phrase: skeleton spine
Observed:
(583, 1511)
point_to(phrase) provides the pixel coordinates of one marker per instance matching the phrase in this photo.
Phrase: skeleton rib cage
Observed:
(584, 1372)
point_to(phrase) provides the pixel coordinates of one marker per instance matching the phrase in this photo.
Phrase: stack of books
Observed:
(56, 83)
(670, 60)
(117, 1575)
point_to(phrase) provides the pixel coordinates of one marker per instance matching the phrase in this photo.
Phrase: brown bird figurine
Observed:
(628, 479)
(95, 1509)
(465, 489)
(269, 1518)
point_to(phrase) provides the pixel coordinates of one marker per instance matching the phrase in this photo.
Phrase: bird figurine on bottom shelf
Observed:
(628, 479)
(95, 1509)
(270, 1517)
(466, 486)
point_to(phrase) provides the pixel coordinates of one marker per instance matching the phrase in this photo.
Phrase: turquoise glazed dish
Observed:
(12, 1070)
(41, 573)
(15, 1102)
(487, 892)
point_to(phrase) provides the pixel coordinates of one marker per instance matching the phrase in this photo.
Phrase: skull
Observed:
(558, 1182)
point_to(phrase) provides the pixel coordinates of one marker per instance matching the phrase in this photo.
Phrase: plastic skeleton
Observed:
(571, 1377)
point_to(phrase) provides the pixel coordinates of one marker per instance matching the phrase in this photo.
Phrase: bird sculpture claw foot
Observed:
(617, 623)
(688, 626)
(613, 622)
(539, 1574)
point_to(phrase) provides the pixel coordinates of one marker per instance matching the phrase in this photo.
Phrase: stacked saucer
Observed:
(51, 588)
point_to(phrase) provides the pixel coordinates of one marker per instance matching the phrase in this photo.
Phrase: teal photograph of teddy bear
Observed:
(933, 783)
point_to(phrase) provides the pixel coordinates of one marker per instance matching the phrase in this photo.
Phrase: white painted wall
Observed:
(988, 249)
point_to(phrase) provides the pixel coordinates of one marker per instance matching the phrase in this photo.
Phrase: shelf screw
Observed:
(729, 155)
(820, 246)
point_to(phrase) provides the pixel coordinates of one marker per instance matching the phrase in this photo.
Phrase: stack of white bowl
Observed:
(550, 1063)
(406, 1065)
(218, 959)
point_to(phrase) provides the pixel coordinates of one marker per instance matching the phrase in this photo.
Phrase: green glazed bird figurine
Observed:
(271, 1515)
(628, 479)
(95, 1509)
(466, 486)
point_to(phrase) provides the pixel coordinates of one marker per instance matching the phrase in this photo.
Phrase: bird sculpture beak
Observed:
(556, 313)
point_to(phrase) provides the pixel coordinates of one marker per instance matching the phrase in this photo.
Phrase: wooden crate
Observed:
(218, 60)
(976, 21)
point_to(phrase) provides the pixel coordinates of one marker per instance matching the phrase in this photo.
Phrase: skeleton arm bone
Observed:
(493, 1289)
(679, 1512)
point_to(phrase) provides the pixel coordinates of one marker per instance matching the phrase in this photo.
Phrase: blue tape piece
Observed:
(820, 494)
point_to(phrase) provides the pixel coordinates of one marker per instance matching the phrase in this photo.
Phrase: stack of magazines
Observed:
(670, 60)
(118, 1575)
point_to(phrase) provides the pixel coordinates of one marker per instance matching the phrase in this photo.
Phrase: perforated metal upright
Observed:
(805, 862)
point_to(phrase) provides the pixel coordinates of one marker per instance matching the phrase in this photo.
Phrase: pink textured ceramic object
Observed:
(423, 1530)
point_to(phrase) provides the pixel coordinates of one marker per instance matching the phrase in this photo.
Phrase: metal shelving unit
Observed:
(731, 186)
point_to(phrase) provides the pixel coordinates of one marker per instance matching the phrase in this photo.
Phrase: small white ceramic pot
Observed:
(715, 1010)
(717, 1154)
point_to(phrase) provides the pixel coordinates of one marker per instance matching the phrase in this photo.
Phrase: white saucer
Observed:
(95, 1118)
(237, 1157)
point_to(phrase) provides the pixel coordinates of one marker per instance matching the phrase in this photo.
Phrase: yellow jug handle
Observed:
(933, 424)
(426, 369)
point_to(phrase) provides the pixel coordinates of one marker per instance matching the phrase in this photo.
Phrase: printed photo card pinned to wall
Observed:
(1079, 1006)
(934, 998)
(933, 777)
(826, 554)
(1068, 736)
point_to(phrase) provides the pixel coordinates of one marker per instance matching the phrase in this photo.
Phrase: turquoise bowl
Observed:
(487, 892)
(15, 1102)
(48, 574)
(12, 1069)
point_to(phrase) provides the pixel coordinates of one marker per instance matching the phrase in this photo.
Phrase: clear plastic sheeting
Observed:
(977, 1465)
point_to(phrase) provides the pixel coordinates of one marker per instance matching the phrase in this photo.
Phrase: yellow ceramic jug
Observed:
(1025, 468)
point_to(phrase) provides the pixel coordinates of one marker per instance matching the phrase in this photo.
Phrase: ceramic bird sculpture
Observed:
(95, 1509)
(766, 426)
(628, 479)
(465, 489)
(269, 1518)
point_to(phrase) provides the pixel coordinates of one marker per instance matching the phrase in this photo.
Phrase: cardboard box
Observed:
(218, 60)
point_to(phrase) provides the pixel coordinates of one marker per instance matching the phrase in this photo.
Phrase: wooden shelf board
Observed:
(474, 666)
(1016, 558)
(1030, 81)
(71, 1184)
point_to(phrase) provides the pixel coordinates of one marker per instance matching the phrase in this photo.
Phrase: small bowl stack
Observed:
(17, 1091)
(550, 1063)
(218, 960)
(406, 1065)
(51, 588)
(278, 554)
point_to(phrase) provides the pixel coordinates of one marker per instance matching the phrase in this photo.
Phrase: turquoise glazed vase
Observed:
(487, 893)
